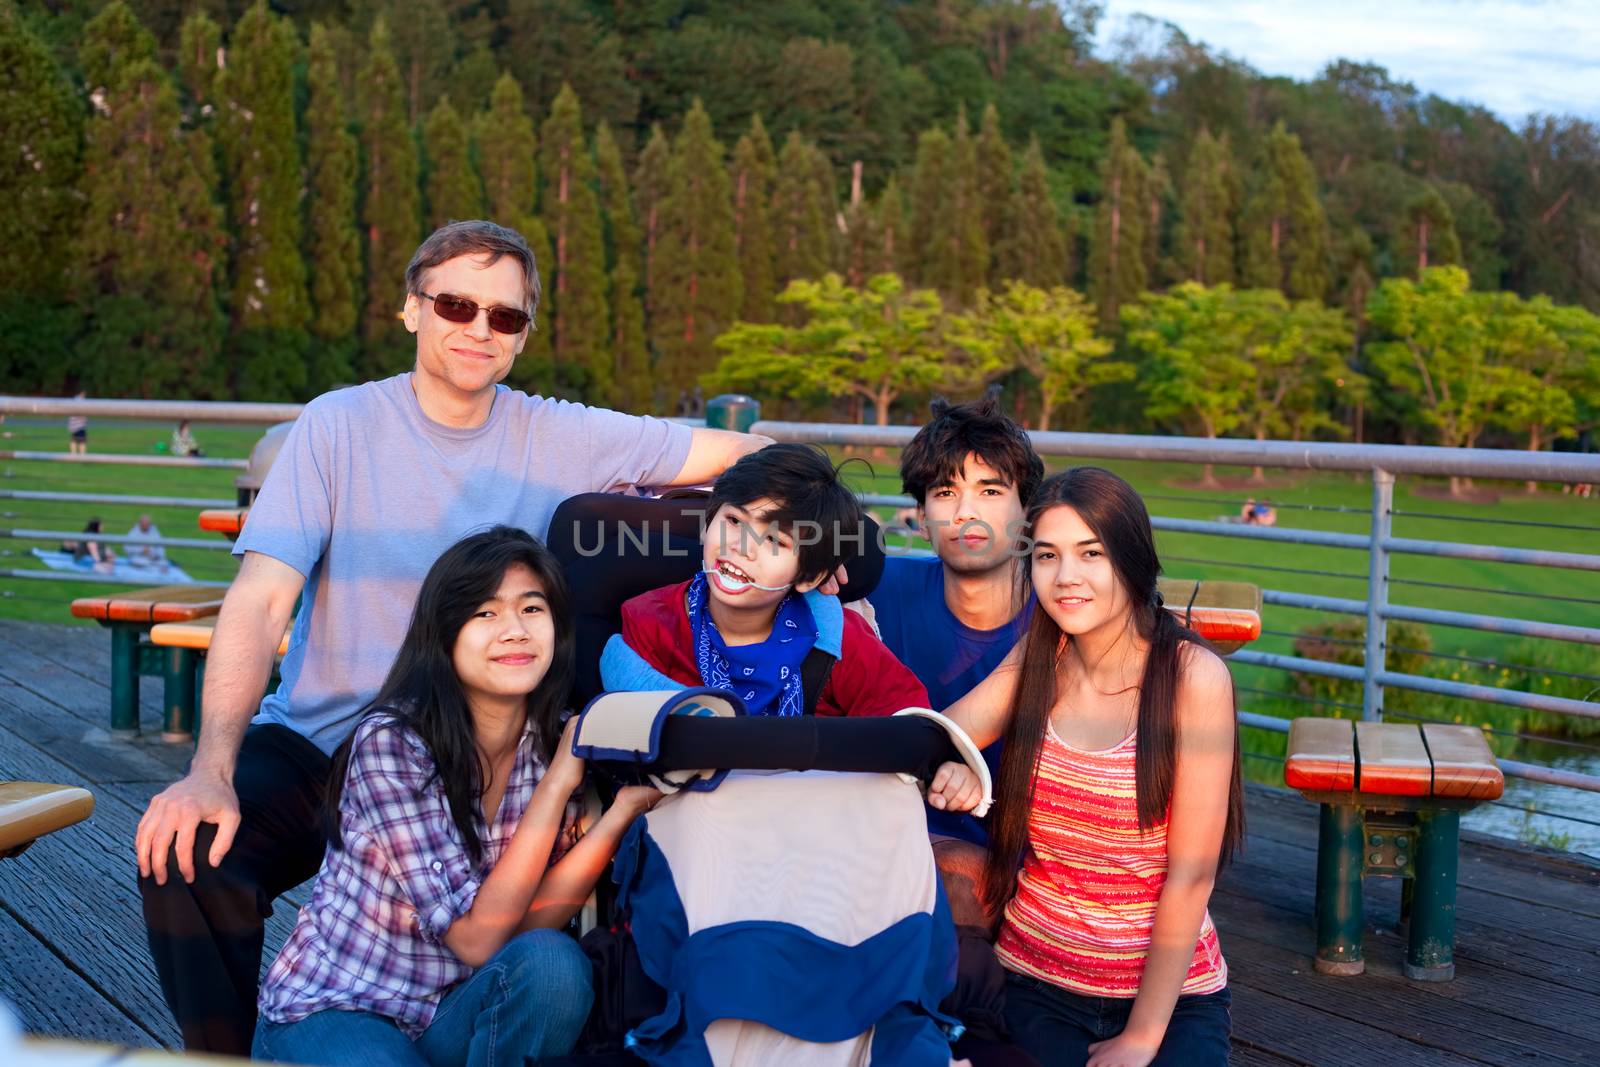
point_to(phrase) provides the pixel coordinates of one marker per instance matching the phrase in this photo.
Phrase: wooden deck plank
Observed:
(77, 678)
(1312, 1036)
(51, 998)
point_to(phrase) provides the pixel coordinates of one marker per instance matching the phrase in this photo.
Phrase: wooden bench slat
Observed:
(1463, 765)
(1393, 760)
(197, 634)
(1322, 755)
(1228, 614)
(167, 603)
(223, 520)
(29, 810)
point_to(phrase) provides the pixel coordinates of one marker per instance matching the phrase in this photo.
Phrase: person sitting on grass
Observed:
(780, 521)
(432, 935)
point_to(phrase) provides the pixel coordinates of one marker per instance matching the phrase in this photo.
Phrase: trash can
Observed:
(732, 411)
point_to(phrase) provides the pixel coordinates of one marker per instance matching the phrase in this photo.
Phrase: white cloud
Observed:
(1516, 57)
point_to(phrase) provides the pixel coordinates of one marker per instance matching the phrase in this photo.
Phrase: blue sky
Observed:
(1516, 57)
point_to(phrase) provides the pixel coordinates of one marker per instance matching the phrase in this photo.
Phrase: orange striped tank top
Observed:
(1086, 896)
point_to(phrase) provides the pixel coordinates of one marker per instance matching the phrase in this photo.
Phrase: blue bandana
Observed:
(765, 675)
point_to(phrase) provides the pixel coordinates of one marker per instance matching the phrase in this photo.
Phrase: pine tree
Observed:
(1286, 232)
(961, 263)
(43, 122)
(650, 178)
(261, 155)
(927, 205)
(630, 359)
(893, 238)
(1117, 272)
(1203, 238)
(995, 186)
(333, 244)
(697, 288)
(752, 175)
(829, 240)
(534, 369)
(508, 153)
(1427, 236)
(150, 247)
(390, 210)
(577, 274)
(199, 42)
(423, 44)
(1032, 248)
(454, 191)
(799, 219)
(863, 243)
(1157, 195)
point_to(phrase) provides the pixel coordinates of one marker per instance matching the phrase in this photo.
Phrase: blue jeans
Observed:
(530, 1000)
(1057, 1027)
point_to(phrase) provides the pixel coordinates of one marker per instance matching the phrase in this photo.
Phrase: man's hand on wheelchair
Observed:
(954, 788)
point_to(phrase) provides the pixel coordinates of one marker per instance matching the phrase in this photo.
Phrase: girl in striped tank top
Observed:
(1118, 797)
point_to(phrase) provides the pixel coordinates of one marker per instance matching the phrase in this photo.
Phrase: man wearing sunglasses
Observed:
(373, 482)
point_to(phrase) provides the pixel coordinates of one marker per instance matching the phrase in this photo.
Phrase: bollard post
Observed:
(732, 411)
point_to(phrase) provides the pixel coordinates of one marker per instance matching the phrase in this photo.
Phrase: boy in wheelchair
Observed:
(791, 917)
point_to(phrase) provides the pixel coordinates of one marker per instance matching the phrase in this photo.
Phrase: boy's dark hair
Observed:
(813, 505)
(936, 454)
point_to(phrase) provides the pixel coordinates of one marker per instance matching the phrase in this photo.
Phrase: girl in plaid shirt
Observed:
(432, 936)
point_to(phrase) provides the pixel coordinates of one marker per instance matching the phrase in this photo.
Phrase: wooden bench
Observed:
(129, 616)
(187, 644)
(229, 521)
(1392, 795)
(29, 810)
(1228, 614)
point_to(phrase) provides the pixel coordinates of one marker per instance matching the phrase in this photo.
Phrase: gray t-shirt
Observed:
(368, 491)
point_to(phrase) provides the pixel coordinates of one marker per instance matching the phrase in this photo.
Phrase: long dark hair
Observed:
(1113, 510)
(422, 691)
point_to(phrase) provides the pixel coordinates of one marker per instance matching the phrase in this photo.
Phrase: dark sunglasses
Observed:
(460, 309)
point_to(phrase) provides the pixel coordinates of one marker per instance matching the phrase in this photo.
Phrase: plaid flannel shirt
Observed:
(369, 939)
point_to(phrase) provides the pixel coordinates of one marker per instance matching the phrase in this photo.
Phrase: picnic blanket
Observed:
(121, 569)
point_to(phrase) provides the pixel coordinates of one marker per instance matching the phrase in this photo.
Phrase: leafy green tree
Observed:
(877, 342)
(578, 272)
(1050, 334)
(651, 176)
(995, 185)
(1429, 344)
(43, 123)
(333, 245)
(1195, 371)
(752, 175)
(454, 190)
(199, 50)
(1297, 356)
(391, 206)
(696, 290)
(1427, 233)
(150, 248)
(1204, 236)
(1548, 356)
(508, 153)
(1117, 273)
(261, 153)
(1286, 231)
(799, 214)
(1032, 247)
(630, 357)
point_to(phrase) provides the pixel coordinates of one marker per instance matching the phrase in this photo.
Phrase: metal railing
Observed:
(1380, 463)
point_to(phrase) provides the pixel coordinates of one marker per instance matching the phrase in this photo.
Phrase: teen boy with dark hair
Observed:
(781, 521)
(953, 617)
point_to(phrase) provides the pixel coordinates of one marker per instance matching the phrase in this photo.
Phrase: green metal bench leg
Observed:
(177, 721)
(124, 681)
(1340, 913)
(1431, 948)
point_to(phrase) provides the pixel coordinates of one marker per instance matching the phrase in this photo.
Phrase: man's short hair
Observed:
(475, 237)
(936, 454)
(812, 503)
